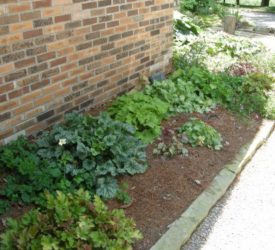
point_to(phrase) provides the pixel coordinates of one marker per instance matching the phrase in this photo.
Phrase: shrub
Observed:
(70, 221)
(200, 134)
(144, 112)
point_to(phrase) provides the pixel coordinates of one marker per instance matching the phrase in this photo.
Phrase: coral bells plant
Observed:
(71, 221)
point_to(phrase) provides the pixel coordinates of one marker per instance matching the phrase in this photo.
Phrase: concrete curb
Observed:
(181, 230)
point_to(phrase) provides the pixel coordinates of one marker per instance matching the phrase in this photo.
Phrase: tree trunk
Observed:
(238, 2)
(265, 3)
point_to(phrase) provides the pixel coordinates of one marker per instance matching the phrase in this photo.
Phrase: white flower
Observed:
(62, 142)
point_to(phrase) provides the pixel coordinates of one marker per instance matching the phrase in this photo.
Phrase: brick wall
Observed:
(62, 55)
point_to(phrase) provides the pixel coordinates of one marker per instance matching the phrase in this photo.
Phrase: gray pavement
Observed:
(244, 219)
(260, 19)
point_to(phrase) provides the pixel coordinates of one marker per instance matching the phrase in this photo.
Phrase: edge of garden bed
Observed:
(181, 230)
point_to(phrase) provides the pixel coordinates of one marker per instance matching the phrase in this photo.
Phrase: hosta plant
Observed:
(68, 222)
(142, 111)
(199, 133)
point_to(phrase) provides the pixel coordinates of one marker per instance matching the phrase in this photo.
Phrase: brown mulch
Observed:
(170, 185)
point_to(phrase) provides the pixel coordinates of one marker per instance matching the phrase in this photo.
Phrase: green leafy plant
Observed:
(26, 175)
(218, 52)
(270, 107)
(253, 95)
(71, 221)
(218, 87)
(241, 94)
(199, 6)
(19, 155)
(142, 111)
(92, 151)
(123, 195)
(185, 26)
(181, 94)
(84, 151)
(199, 133)
(172, 148)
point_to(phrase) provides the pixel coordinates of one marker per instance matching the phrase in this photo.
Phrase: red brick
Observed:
(46, 56)
(24, 63)
(58, 61)
(42, 4)
(6, 88)
(19, 8)
(62, 18)
(62, 55)
(6, 68)
(32, 33)
(30, 15)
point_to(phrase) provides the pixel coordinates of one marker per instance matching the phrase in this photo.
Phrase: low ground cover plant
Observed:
(218, 52)
(240, 94)
(256, 94)
(142, 111)
(181, 94)
(71, 221)
(173, 147)
(84, 151)
(199, 133)
(123, 195)
(95, 151)
(26, 175)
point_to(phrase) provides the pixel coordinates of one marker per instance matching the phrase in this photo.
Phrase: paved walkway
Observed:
(245, 218)
(260, 19)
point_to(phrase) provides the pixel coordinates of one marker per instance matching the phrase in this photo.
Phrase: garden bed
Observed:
(169, 186)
